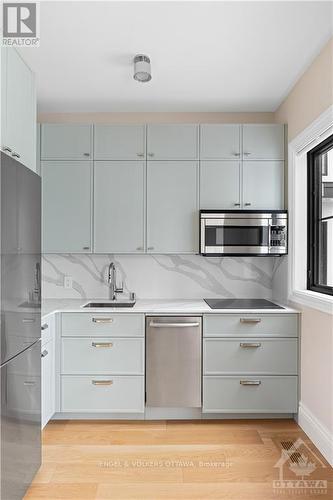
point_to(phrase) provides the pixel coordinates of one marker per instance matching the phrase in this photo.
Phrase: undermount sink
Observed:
(111, 303)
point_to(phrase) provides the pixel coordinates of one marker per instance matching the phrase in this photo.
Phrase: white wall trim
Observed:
(317, 132)
(317, 432)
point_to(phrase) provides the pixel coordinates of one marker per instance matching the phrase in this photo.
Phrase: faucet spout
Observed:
(112, 281)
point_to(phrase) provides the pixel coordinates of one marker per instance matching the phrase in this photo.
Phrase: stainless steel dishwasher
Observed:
(173, 361)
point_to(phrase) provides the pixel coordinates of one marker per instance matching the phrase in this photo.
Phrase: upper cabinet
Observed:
(172, 142)
(263, 185)
(66, 141)
(263, 142)
(220, 142)
(66, 206)
(119, 142)
(220, 185)
(172, 207)
(18, 116)
(119, 206)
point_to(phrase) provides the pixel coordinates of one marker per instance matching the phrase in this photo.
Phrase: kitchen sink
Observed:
(111, 303)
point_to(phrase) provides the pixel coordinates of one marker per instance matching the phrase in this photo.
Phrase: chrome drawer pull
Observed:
(101, 344)
(250, 382)
(102, 320)
(250, 320)
(44, 353)
(173, 325)
(29, 383)
(44, 327)
(102, 382)
(250, 344)
(28, 320)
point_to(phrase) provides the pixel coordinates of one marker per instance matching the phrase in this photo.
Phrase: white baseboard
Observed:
(317, 432)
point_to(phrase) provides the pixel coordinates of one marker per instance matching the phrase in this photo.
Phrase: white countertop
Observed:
(154, 306)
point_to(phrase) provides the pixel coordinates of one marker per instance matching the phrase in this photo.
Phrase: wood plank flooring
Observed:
(216, 459)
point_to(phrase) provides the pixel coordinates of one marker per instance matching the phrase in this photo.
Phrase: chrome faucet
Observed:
(112, 280)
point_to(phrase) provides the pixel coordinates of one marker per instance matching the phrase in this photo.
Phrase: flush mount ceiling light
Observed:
(142, 69)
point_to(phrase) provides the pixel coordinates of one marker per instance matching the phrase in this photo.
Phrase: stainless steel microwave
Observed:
(243, 232)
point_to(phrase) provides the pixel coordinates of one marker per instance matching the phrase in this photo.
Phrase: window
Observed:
(320, 218)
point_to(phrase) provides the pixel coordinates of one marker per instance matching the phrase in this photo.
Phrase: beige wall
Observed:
(312, 94)
(156, 117)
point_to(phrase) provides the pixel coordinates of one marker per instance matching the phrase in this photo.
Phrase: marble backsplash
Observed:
(160, 276)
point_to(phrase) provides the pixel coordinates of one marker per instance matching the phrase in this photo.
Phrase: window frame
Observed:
(313, 207)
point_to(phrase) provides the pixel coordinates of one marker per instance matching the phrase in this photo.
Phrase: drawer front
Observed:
(102, 324)
(235, 395)
(250, 356)
(120, 356)
(230, 325)
(102, 394)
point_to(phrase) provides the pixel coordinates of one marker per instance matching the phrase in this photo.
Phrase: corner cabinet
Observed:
(48, 368)
(119, 207)
(66, 206)
(172, 207)
(18, 114)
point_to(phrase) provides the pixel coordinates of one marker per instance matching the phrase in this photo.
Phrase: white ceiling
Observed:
(206, 56)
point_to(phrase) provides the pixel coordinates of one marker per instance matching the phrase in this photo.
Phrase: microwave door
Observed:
(236, 236)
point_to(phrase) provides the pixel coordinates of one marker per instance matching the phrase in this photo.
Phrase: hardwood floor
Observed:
(225, 459)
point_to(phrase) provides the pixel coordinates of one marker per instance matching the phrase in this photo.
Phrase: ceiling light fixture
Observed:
(142, 68)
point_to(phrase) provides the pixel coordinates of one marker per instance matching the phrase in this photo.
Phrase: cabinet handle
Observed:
(236, 154)
(250, 382)
(102, 320)
(139, 248)
(6, 148)
(102, 382)
(29, 383)
(85, 248)
(140, 155)
(237, 204)
(150, 248)
(250, 320)
(44, 353)
(101, 344)
(248, 204)
(151, 155)
(28, 320)
(250, 344)
(86, 154)
(247, 154)
(44, 327)
(15, 155)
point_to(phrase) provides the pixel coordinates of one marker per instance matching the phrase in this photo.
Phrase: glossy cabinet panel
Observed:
(119, 142)
(102, 324)
(263, 142)
(220, 184)
(220, 142)
(119, 207)
(61, 141)
(67, 206)
(172, 142)
(263, 183)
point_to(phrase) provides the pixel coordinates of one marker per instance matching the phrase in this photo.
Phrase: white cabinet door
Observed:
(60, 141)
(66, 202)
(219, 142)
(119, 207)
(18, 135)
(263, 142)
(172, 207)
(263, 185)
(220, 184)
(172, 142)
(119, 142)
(48, 381)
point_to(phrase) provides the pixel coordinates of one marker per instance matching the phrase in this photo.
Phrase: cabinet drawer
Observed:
(236, 395)
(102, 394)
(230, 325)
(107, 355)
(102, 324)
(250, 356)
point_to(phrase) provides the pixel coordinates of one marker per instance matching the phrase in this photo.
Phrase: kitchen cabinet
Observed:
(48, 368)
(172, 207)
(119, 207)
(220, 184)
(18, 117)
(220, 142)
(66, 206)
(60, 141)
(119, 142)
(172, 142)
(263, 142)
(263, 183)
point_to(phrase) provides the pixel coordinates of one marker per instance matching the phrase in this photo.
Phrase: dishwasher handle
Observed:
(153, 324)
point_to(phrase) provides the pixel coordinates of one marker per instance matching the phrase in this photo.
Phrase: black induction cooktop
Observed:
(241, 304)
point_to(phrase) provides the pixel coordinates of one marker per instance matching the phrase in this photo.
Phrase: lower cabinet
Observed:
(48, 369)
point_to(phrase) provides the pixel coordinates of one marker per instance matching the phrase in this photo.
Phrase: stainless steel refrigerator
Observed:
(20, 376)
